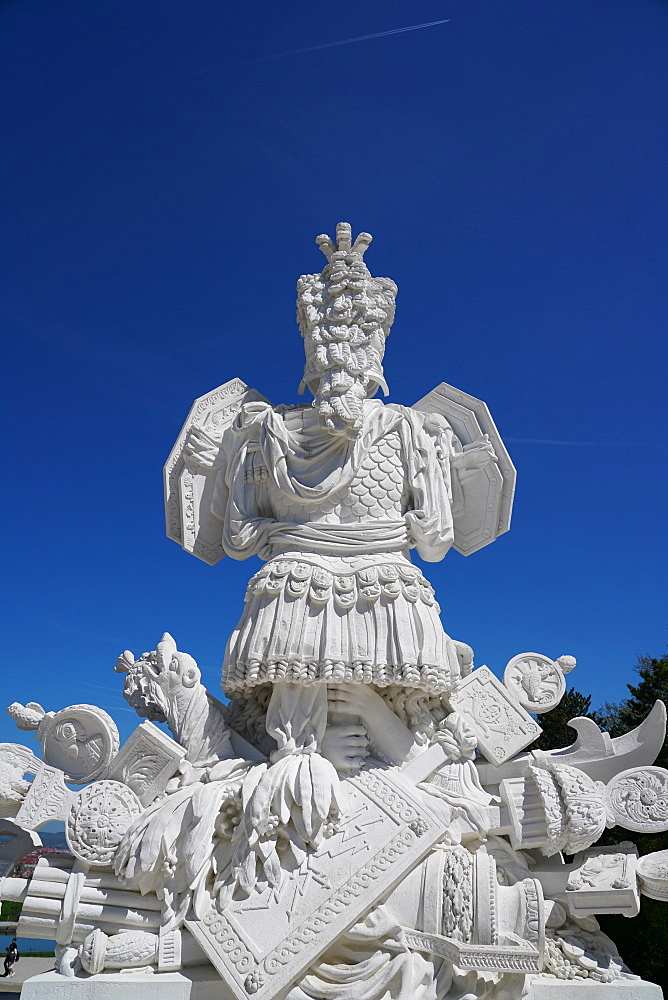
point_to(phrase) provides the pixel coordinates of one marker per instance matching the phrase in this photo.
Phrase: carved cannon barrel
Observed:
(94, 895)
(97, 913)
(69, 905)
(100, 880)
(13, 890)
(43, 928)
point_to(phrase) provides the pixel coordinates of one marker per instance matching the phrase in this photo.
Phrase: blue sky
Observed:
(164, 179)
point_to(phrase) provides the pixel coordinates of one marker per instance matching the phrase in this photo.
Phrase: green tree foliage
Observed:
(10, 912)
(643, 941)
(556, 731)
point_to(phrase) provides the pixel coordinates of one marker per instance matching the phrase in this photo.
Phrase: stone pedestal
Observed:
(549, 988)
(204, 984)
(201, 983)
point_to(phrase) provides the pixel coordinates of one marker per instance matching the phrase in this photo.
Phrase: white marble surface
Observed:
(364, 820)
(547, 988)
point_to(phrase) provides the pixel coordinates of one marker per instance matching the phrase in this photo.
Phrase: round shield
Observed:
(81, 741)
(535, 681)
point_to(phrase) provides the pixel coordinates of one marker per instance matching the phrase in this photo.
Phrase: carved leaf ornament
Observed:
(638, 799)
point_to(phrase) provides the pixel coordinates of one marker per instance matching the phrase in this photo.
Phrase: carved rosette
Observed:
(97, 820)
(638, 799)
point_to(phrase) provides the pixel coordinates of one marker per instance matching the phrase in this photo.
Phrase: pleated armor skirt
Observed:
(305, 624)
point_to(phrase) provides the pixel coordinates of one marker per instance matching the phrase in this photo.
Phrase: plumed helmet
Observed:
(344, 316)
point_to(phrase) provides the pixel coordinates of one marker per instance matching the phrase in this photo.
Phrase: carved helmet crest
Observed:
(344, 315)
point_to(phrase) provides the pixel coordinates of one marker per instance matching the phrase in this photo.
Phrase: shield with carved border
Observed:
(488, 495)
(262, 944)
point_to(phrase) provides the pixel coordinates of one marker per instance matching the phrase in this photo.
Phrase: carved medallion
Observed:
(535, 681)
(652, 872)
(79, 740)
(98, 818)
(638, 799)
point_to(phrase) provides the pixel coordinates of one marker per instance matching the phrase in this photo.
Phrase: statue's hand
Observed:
(475, 456)
(201, 447)
(386, 730)
(357, 699)
(345, 747)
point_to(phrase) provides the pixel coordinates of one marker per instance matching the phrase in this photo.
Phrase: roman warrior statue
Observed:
(360, 818)
(334, 495)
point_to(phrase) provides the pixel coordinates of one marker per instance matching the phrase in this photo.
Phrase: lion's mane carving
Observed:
(165, 685)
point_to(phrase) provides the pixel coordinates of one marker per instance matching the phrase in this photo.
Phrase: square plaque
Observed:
(502, 726)
(262, 944)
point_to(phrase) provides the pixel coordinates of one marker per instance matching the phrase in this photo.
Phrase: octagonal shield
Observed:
(189, 486)
(488, 495)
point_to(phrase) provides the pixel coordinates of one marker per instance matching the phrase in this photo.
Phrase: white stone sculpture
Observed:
(536, 681)
(652, 872)
(79, 740)
(363, 820)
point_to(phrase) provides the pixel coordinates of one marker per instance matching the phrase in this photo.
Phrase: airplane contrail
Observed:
(577, 444)
(291, 52)
(343, 41)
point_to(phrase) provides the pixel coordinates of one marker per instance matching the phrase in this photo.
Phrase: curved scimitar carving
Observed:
(594, 751)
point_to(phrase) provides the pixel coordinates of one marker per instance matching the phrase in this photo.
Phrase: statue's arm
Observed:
(203, 448)
(239, 499)
(445, 476)
(427, 451)
(385, 729)
(473, 457)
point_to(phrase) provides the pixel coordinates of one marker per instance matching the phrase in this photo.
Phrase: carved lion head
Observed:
(157, 679)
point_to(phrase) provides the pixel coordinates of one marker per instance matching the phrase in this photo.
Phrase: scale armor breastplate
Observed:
(379, 491)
